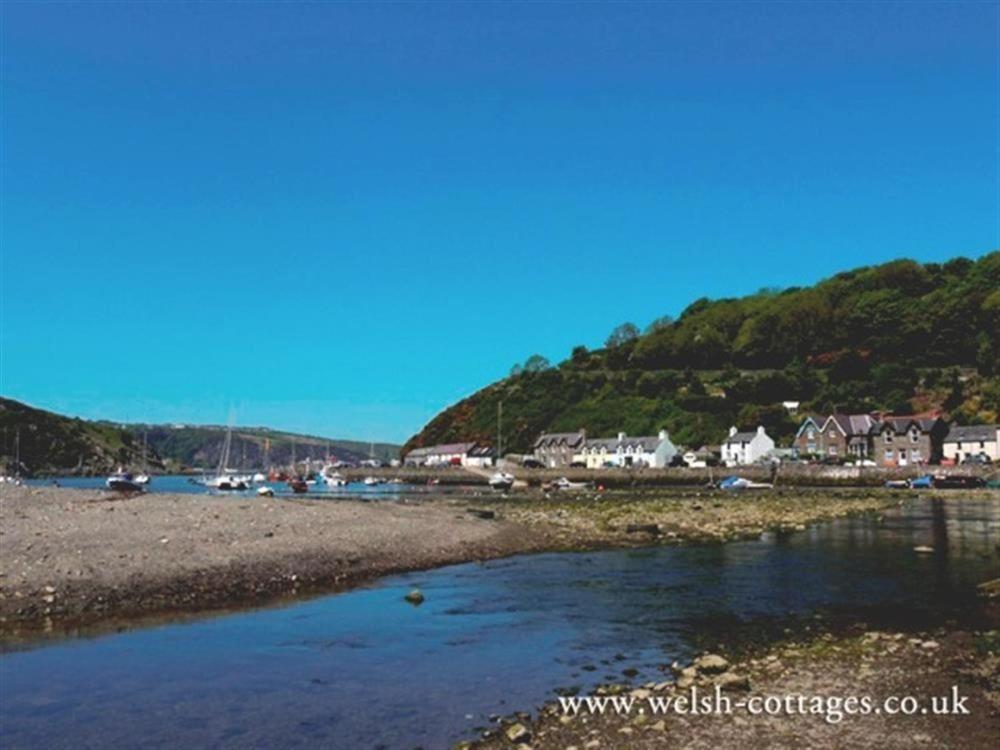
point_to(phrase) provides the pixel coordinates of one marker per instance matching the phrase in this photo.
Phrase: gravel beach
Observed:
(75, 557)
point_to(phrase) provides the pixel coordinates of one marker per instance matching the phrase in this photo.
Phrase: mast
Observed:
(499, 431)
(17, 453)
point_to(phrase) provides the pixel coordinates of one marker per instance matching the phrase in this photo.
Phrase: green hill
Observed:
(54, 444)
(900, 336)
(49, 443)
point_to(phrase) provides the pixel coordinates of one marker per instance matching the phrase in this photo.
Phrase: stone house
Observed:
(557, 449)
(908, 440)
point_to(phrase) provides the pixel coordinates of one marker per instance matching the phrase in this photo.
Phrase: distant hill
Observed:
(51, 444)
(201, 446)
(900, 336)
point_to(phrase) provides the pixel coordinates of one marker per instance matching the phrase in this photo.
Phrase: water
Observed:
(365, 669)
(176, 483)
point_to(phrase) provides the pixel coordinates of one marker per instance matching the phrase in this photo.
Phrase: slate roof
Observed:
(740, 437)
(555, 439)
(854, 424)
(973, 433)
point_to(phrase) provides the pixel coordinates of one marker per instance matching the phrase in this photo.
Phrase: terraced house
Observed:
(654, 451)
(557, 449)
(837, 436)
(908, 440)
(972, 441)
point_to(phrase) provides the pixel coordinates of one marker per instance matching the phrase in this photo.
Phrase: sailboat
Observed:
(143, 478)
(226, 479)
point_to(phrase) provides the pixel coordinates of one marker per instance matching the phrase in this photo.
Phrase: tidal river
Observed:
(365, 669)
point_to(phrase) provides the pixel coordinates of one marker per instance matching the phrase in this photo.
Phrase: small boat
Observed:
(395, 480)
(226, 482)
(502, 481)
(925, 482)
(265, 492)
(739, 483)
(372, 481)
(957, 482)
(298, 485)
(123, 481)
(334, 479)
(898, 484)
(259, 478)
(143, 479)
(562, 483)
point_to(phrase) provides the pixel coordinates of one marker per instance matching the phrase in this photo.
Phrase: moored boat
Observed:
(502, 481)
(123, 481)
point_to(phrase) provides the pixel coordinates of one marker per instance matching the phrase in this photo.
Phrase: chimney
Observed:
(760, 429)
(663, 435)
(621, 437)
(732, 431)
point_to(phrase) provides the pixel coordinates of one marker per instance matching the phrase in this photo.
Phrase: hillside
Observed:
(201, 446)
(901, 336)
(51, 444)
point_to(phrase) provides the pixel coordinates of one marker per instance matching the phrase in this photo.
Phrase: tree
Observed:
(622, 334)
(579, 355)
(516, 370)
(664, 321)
(536, 363)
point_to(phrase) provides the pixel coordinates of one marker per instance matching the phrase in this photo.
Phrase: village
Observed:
(877, 440)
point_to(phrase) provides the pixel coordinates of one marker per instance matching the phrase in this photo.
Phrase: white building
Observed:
(972, 440)
(451, 454)
(742, 448)
(653, 451)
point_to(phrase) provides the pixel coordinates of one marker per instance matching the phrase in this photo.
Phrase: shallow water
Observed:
(183, 484)
(365, 669)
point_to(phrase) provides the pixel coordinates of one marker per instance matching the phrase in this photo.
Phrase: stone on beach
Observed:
(711, 664)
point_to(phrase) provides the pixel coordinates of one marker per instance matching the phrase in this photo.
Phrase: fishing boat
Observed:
(123, 481)
(502, 481)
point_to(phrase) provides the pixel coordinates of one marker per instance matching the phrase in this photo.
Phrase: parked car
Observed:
(678, 461)
(925, 482)
(979, 458)
(532, 463)
(578, 465)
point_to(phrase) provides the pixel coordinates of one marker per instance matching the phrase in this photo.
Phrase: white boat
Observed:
(333, 478)
(259, 478)
(502, 481)
(123, 481)
(142, 479)
(265, 492)
(372, 481)
(562, 483)
(226, 479)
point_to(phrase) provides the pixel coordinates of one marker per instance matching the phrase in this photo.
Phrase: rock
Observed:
(415, 597)
(592, 744)
(732, 681)
(930, 645)
(923, 549)
(684, 682)
(517, 732)
(661, 686)
(641, 694)
(711, 664)
(642, 528)
(660, 726)
(50, 589)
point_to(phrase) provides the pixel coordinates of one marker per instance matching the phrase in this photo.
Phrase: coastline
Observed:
(77, 558)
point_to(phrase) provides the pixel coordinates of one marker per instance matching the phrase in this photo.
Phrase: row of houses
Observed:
(891, 440)
(559, 449)
(874, 439)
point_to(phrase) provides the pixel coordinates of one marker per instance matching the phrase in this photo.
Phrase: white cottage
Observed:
(972, 441)
(742, 448)
(654, 451)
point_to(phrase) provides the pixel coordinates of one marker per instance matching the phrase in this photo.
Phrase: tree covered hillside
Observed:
(901, 336)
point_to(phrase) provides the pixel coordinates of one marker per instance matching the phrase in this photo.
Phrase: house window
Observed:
(960, 445)
(914, 437)
(915, 454)
(902, 454)
(982, 443)
(832, 434)
(888, 437)
(811, 433)
(888, 454)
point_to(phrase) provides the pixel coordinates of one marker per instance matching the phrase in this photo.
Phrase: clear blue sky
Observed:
(340, 218)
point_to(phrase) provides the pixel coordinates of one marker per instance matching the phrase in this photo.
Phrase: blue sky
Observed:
(340, 218)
